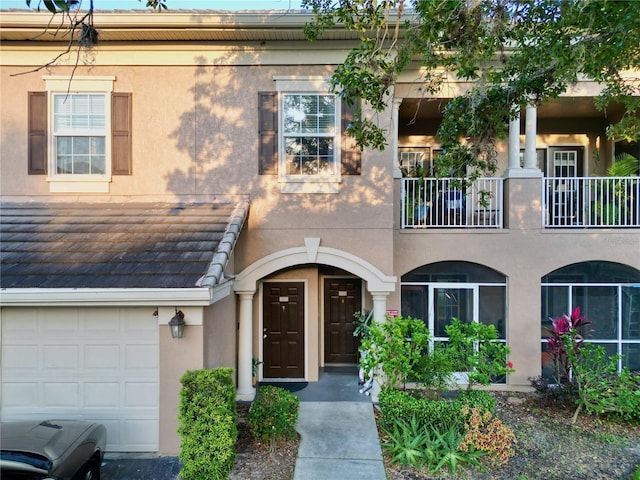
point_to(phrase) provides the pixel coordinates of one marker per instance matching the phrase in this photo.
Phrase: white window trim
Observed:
(306, 183)
(62, 84)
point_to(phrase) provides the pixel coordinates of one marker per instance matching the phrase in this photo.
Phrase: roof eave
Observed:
(19, 25)
(92, 297)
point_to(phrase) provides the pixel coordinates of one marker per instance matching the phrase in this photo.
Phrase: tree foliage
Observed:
(516, 52)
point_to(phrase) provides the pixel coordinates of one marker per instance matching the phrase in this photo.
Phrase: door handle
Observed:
(264, 336)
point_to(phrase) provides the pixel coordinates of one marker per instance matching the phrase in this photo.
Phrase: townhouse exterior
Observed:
(195, 162)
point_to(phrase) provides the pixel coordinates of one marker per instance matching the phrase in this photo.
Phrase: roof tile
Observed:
(137, 245)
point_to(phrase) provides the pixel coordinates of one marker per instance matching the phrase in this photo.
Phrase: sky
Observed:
(176, 4)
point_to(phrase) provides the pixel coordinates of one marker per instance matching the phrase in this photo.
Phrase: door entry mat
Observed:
(341, 369)
(291, 386)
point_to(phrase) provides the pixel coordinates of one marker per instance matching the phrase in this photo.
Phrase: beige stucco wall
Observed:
(195, 131)
(176, 357)
(219, 331)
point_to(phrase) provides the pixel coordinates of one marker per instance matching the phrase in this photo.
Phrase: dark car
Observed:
(53, 449)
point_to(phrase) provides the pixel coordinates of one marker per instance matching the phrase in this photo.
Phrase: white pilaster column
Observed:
(245, 391)
(379, 306)
(379, 315)
(514, 169)
(395, 121)
(514, 143)
(530, 156)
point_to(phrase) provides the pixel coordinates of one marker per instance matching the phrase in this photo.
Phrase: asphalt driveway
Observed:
(136, 467)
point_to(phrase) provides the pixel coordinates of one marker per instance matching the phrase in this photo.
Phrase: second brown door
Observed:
(342, 298)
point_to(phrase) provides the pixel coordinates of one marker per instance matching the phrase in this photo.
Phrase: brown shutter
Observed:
(268, 133)
(351, 163)
(121, 134)
(37, 133)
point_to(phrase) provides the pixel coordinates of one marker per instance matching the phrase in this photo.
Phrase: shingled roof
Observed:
(125, 245)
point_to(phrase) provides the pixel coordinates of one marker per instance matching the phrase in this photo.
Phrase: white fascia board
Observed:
(112, 296)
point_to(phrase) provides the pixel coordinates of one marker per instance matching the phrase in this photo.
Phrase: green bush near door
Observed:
(273, 414)
(208, 424)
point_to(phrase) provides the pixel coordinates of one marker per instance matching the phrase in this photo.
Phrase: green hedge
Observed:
(440, 412)
(208, 424)
(273, 414)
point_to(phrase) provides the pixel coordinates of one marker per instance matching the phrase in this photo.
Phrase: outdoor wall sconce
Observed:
(177, 324)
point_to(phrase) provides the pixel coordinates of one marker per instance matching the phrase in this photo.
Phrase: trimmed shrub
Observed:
(399, 347)
(440, 412)
(479, 398)
(208, 424)
(273, 414)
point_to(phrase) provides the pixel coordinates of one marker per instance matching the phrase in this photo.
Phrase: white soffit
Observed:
(105, 297)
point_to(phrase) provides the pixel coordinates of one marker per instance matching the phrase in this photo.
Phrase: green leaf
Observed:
(62, 5)
(50, 6)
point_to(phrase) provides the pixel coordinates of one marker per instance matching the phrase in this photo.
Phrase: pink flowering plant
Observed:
(564, 334)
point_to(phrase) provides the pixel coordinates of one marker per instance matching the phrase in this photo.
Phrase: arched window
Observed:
(609, 296)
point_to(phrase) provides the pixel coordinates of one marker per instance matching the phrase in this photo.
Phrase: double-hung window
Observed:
(79, 131)
(302, 135)
(310, 142)
(310, 134)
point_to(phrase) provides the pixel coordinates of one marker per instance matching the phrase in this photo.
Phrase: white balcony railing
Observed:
(447, 203)
(576, 202)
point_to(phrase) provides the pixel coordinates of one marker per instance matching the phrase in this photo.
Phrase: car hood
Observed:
(50, 438)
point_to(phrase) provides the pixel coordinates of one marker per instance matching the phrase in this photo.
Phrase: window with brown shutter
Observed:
(121, 158)
(351, 154)
(268, 133)
(268, 137)
(37, 153)
(121, 163)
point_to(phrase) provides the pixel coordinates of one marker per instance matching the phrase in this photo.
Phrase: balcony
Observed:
(591, 202)
(446, 203)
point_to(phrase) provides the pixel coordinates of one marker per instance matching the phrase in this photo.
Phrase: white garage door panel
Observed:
(19, 357)
(102, 395)
(62, 395)
(97, 364)
(102, 357)
(131, 435)
(60, 357)
(23, 395)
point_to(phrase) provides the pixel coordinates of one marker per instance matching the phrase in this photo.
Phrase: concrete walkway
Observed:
(339, 437)
(339, 440)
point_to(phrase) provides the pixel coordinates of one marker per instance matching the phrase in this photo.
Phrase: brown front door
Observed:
(283, 330)
(342, 298)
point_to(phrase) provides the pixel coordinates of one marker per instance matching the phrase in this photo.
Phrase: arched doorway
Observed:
(285, 300)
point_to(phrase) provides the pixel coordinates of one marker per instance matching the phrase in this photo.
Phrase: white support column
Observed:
(395, 121)
(245, 391)
(379, 315)
(514, 145)
(379, 306)
(530, 155)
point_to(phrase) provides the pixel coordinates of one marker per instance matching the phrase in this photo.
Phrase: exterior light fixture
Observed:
(177, 324)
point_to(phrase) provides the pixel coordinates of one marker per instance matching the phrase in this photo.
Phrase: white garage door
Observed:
(84, 363)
